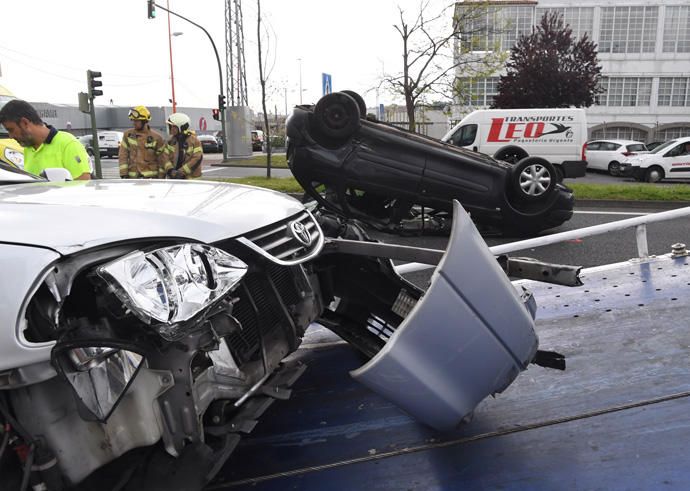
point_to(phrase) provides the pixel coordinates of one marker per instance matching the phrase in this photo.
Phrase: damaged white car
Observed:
(145, 324)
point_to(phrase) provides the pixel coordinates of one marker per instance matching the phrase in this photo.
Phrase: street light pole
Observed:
(172, 74)
(220, 76)
(300, 80)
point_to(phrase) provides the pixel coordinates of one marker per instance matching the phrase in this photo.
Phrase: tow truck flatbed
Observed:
(617, 418)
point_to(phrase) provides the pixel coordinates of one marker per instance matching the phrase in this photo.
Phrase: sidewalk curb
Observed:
(641, 204)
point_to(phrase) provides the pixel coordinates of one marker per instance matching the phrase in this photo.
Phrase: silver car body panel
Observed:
(40, 221)
(73, 216)
(26, 267)
(467, 338)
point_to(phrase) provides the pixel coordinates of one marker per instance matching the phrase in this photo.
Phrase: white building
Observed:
(644, 49)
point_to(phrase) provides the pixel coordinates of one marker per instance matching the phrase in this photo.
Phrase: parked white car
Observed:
(607, 155)
(668, 161)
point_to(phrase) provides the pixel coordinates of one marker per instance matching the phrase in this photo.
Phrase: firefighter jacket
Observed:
(185, 155)
(143, 154)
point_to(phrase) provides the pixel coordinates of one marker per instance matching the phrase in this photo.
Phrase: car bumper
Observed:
(627, 170)
(455, 347)
(574, 168)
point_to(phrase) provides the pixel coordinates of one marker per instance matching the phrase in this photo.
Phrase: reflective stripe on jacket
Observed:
(143, 154)
(190, 163)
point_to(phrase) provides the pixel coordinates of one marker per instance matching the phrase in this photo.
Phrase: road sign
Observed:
(382, 112)
(326, 83)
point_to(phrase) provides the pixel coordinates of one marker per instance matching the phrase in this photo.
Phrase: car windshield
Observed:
(10, 175)
(661, 148)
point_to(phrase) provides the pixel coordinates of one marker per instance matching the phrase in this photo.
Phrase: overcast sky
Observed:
(47, 46)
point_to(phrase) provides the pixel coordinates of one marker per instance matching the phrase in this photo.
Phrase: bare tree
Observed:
(262, 79)
(437, 48)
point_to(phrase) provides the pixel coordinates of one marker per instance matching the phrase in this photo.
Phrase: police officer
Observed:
(142, 150)
(184, 149)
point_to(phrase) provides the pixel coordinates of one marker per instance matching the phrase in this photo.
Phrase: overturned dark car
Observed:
(397, 180)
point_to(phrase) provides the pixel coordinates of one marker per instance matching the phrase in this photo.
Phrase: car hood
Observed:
(73, 216)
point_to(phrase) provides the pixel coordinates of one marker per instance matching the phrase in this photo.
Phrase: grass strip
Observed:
(582, 191)
(631, 192)
(278, 161)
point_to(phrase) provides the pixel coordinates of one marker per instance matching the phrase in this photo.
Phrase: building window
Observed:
(479, 92)
(580, 19)
(673, 133)
(495, 28)
(628, 29)
(625, 91)
(677, 30)
(674, 91)
(619, 133)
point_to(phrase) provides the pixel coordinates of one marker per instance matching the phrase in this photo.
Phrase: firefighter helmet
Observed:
(180, 120)
(139, 113)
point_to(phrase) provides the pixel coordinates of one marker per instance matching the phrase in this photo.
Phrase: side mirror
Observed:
(56, 174)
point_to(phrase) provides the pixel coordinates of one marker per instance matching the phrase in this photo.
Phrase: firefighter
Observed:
(142, 150)
(184, 149)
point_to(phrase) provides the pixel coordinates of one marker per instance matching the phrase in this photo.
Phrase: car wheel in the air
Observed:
(533, 178)
(359, 100)
(654, 174)
(512, 155)
(336, 116)
(615, 168)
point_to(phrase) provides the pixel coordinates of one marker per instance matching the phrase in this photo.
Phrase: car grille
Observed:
(288, 242)
(259, 310)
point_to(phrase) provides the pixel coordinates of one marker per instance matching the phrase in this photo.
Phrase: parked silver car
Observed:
(146, 323)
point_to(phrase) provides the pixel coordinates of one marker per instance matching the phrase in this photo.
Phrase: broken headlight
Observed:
(171, 285)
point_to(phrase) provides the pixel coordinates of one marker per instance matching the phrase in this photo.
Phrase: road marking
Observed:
(611, 213)
(213, 169)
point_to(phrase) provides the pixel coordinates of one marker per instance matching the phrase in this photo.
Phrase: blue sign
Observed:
(382, 112)
(326, 84)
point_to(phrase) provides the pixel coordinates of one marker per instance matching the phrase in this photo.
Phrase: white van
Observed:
(557, 135)
(108, 143)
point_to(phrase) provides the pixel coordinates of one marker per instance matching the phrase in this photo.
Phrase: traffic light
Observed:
(221, 102)
(93, 84)
(152, 9)
(216, 114)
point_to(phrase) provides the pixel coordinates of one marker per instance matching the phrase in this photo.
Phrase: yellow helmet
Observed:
(139, 113)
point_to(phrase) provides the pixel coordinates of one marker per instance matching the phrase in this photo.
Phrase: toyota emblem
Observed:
(300, 232)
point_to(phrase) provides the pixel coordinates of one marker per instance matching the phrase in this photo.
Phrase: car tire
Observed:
(654, 174)
(533, 178)
(337, 116)
(359, 100)
(559, 173)
(615, 168)
(512, 155)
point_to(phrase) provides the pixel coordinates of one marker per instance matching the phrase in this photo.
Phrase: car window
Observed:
(609, 146)
(636, 147)
(594, 146)
(465, 135)
(675, 151)
(664, 146)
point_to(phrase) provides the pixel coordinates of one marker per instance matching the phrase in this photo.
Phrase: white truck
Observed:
(557, 135)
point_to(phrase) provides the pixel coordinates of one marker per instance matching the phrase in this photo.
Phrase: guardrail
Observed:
(639, 223)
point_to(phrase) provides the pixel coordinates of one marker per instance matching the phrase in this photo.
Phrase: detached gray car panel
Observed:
(439, 371)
